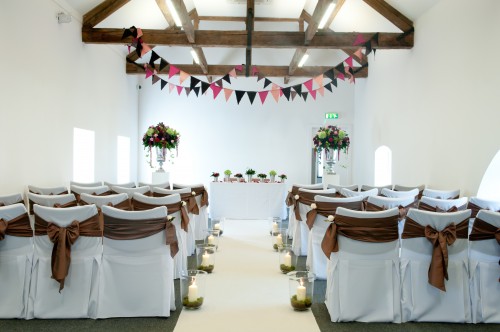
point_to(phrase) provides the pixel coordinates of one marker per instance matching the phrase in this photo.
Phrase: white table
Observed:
(247, 200)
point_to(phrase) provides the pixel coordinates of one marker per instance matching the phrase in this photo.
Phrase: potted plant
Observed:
(215, 175)
(272, 175)
(163, 139)
(262, 176)
(227, 174)
(239, 176)
(250, 172)
(282, 177)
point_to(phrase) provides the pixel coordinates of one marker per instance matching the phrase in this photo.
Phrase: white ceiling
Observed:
(355, 15)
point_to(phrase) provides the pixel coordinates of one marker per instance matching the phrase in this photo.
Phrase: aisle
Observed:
(246, 291)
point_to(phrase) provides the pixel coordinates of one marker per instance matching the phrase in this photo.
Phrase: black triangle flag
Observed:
(260, 76)
(196, 90)
(251, 96)
(286, 92)
(227, 78)
(204, 87)
(329, 87)
(188, 90)
(334, 82)
(163, 64)
(194, 82)
(133, 30)
(163, 84)
(298, 88)
(304, 95)
(340, 68)
(126, 33)
(153, 58)
(266, 82)
(329, 73)
(294, 94)
(239, 95)
(368, 46)
(138, 48)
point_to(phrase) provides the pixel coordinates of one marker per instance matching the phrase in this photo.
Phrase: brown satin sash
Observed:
(204, 195)
(481, 230)
(475, 209)
(63, 238)
(192, 206)
(123, 229)
(106, 193)
(403, 210)
(18, 226)
(3, 204)
(427, 207)
(306, 198)
(376, 230)
(438, 269)
(329, 208)
(66, 205)
(171, 208)
(290, 198)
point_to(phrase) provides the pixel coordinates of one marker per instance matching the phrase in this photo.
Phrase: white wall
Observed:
(436, 105)
(51, 82)
(218, 135)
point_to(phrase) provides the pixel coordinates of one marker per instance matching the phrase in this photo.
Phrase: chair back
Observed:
(163, 185)
(476, 204)
(390, 202)
(441, 194)
(442, 205)
(123, 185)
(353, 187)
(99, 201)
(398, 194)
(86, 184)
(11, 199)
(379, 188)
(48, 191)
(66, 200)
(350, 193)
(97, 190)
(489, 248)
(130, 191)
(166, 192)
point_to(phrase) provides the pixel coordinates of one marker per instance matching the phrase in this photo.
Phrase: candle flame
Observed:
(301, 282)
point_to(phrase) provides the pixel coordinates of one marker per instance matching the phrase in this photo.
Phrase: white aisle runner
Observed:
(246, 291)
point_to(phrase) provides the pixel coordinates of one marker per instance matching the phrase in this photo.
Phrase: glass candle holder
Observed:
(205, 257)
(301, 288)
(218, 225)
(278, 239)
(287, 259)
(274, 225)
(212, 238)
(193, 285)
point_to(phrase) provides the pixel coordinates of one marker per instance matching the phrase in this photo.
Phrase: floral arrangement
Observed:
(282, 176)
(227, 172)
(215, 174)
(262, 176)
(160, 136)
(331, 137)
(250, 172)
(238, 175)
(272, 173)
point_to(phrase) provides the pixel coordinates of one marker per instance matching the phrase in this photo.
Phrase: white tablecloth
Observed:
(247, 200)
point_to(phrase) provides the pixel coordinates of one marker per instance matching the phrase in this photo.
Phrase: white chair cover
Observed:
(421, 301)
(180, 260)
(97, 190)
(123, 185)
(78, 299)
(200, 220)
(185, 190)
(407, 188)
(137, 275)
(444, 204)
(350, 193)
(292, 223)
(85, 184)
(130, 191)
(316, 260)
(301, 232)
(16, 257)
(484, 204)
(379, 188)
(51, 200)
(363, 282)
(353, 187)
(392, 202)
(47, 191)
(442, 194)
(11, 199)
(484, 273)
(163, 185)
(398, 194)
(99, 201)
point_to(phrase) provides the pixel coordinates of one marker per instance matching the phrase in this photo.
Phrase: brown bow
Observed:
(2, 204)
(427, 207)
(438, 269)
(290, 198)
(329, 208)
(375, 230)
(63, 238)
(19, 226)
(204, 195)
(171, 208)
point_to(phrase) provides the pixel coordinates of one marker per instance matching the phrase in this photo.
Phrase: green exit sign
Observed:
(331, 115)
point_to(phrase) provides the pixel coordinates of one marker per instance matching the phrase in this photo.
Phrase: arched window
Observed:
(490, 184)
(383, 166)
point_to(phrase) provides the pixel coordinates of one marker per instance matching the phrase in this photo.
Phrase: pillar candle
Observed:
(217, 226)
(275, 227)
(279, 240)
(193, 292)
(210, 239)
(205, 259)
(288, 259)
(301, 293)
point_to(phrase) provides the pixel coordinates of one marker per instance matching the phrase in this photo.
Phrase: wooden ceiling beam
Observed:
(243, 19)
(392, 14)
(166, 12)
(100, 12)
(260, 39)
(249, 24)
(268, 71)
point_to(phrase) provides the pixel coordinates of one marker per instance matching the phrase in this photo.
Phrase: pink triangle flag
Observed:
(238, 67)
(145, 49)
(172, 71)
(216, 89)
(227, 93)
(276, 94)
(281, 92)
(139, 32)
(349, 61)
(359, 54)
(309, 84)
(254, 70)
(183, 76)
(179, 89)
(313, 94)
(341, 76)
(232, 73)
(321, 91)
(170, 87)
(359, 40)
(263, 95)
(148, 72)
(319, 80)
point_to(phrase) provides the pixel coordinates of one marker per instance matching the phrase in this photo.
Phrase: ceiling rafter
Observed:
(101, 12)
(249, 24)
(392, 14)
(166, 12)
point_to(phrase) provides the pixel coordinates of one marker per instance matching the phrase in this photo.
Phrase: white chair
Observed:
(350, 193)
(338, 188)
(180, 260)
(85, 184)
(119, 201)
(98, 190)
(476, 204)
(420, 188)
(16, 257)
(363, 282)
(399, 194)
(442, 205)
(316, 260)
(137, 274)
(163, 185)
(63, 200)
(421, 300)
(130, 191)
(385, 203)
(379, 188)
(292, 223)
(48, 191)
(78, 298)
(441, 194)
(301, 232)
(11, 199)
(200, 219)
(123, 185)
(484, 255)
